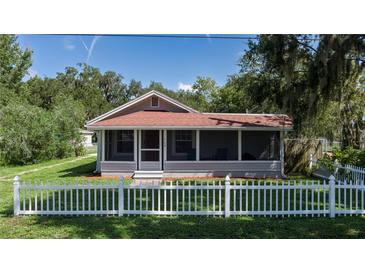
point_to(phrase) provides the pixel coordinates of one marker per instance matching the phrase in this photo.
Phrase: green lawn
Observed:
(154, 227)
(181, 227)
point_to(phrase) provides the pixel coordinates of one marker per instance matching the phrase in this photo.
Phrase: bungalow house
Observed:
(154, 136)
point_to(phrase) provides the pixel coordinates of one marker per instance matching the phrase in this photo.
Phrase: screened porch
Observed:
(153, 149)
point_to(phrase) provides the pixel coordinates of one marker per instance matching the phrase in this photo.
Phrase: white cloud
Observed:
(90, 49)
(68, 43)
(183, 86)
(69, 47)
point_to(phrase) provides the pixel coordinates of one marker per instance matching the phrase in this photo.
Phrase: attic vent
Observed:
(154, 101)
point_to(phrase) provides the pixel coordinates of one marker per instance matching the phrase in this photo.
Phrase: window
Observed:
(154, 101)
(119, 145)
(125, 141)
(183, 140)
(260, 145)
(218, 145)
(181, 145)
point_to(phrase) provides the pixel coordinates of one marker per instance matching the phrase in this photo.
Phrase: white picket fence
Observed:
(342, 172)
(211, 198)
(349, 172)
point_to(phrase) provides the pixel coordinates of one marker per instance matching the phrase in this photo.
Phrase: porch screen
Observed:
(260, 145)
(181, 145)
(119, 145)
(218, 145)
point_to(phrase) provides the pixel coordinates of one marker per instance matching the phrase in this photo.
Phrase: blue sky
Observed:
(175, 62)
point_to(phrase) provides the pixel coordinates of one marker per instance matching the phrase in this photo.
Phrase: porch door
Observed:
(150, 150)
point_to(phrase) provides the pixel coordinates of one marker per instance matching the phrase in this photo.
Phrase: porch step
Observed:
(148, 174)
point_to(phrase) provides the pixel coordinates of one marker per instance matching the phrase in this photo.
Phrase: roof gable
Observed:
(128, 107)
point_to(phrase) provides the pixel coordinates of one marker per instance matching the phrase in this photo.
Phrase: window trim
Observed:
(171, 150)
(114, 143)
(176, 140)
(158, 102)
(119, 139)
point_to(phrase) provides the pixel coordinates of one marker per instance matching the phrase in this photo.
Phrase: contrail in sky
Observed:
(89, 49)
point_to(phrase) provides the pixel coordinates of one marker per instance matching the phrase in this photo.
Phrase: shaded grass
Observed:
(181, 227)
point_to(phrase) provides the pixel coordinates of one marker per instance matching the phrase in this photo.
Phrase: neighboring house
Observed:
(155, 134)
(86, 137)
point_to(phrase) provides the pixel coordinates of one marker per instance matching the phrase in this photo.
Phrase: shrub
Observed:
(348, 156)
(26, 134)
(30, 134)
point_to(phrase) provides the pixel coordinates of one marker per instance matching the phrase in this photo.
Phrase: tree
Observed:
(26, 134)
(43, 92)
(204, 86)
(68, 117)
(303, 74)
(113, 88)
(199, 97)
(96, 91)
(159, 87)
(232, 97)
(30, 134)
(14, 62)
(352, 113)
(134, 89)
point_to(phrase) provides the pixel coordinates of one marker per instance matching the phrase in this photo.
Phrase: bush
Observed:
(328, 162)
(26, 134)
(30, 134)
(348, 156)
(80, 150)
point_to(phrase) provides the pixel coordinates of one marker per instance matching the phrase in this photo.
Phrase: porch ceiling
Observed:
(172, 119)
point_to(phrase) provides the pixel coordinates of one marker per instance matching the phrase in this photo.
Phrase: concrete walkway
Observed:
(47, 167)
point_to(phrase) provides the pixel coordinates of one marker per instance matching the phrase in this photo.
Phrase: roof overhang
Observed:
(190, 127)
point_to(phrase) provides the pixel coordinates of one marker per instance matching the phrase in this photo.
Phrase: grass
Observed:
(8, 173)
(154, 226)
(65, 170)
(181, 227)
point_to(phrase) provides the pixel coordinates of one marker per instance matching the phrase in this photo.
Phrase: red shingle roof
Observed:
(163, 119)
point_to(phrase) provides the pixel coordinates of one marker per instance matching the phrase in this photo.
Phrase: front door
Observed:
(150, 150)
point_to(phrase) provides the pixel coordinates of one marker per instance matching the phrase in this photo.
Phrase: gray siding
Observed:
(233, 166)
(235, 169)
(246, 169)
(107, 167)
(178, 169)
(146, 105)
(150, 165)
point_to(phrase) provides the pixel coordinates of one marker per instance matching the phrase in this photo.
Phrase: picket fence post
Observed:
(120, 196)
(332, 193)
(227, 199)
(336, 165)
(310, 161)
(16, 195)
